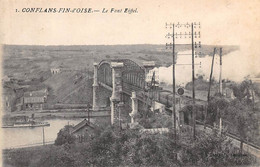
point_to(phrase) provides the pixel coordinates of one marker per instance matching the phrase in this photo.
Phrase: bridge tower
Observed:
(114, 82)
(117, 86)
(148, 65)
(95, 87)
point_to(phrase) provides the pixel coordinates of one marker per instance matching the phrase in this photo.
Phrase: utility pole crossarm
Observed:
(190, 40)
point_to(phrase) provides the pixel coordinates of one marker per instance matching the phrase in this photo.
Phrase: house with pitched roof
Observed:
(34, 100)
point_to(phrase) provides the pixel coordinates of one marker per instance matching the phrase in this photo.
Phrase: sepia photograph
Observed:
(172, 83)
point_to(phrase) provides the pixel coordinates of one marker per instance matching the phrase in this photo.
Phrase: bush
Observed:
(149, 119)
(64, 136)
(213, 150)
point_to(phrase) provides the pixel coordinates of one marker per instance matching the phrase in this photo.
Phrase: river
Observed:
(17, 137)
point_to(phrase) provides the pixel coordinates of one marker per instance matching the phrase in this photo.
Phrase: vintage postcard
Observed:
(130, 83)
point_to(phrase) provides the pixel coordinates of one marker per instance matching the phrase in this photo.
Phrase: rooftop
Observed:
(35, 94)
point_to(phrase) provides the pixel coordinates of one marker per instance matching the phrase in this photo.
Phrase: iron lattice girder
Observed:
(128, 64)
(132, 73)
(105, 74)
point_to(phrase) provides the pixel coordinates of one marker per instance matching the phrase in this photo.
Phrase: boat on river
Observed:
(30, 124)
(22, 122)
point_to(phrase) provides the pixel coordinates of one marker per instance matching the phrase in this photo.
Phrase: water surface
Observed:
(15, 137)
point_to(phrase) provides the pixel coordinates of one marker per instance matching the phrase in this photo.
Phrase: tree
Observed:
(242, 119)
(216, 109)
(102, 149)
(243, 91)
(151, 119)
(212, 149)
(115, 147)
(64, 136)
(152, 150)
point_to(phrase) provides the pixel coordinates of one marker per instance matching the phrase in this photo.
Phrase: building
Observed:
(55, 70)
(228, 93)
(34, 100)
(12, 97)
(155, 131)
(83, 130)
(9, 98)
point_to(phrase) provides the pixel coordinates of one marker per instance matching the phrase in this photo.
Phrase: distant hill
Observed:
(29, 61)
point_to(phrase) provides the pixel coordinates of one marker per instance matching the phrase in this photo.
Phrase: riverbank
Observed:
(29, 136)
(47, 114)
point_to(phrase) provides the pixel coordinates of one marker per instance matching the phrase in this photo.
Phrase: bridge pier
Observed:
(117, 87)
(119, 77)
(95, 87)
(148, 65)
(134, 107)
(112, 105)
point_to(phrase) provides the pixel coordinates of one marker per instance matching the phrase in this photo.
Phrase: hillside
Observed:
(65, 85)
(81, 95)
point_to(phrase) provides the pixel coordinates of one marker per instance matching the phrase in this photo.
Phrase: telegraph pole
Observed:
(220, 88)
(211, 72)
(193, 84)
(173, 85)
(220, 73)
(43, 136)
(183, 36)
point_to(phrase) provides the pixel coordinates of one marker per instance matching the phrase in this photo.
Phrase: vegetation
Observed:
(214, 150)
(243, 91)
(187, 111)
(239, 115)
(201, 84)
(149, 119)
(116, 147)
(64, 136)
